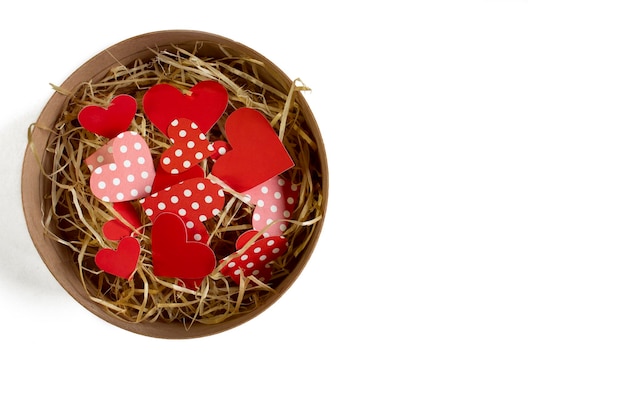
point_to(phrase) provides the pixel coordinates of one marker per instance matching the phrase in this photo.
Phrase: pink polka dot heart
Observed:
(275, 200)
(122, 170)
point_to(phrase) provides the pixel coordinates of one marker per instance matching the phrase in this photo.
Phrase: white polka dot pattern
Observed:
(190, 146)
(122, 170)
(255, 260)
(194, 200)
(274, 202)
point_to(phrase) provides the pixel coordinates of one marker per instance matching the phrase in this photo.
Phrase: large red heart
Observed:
(175, 257)
(121, 262)
(257, 153)
(204, 104)
(110, 121)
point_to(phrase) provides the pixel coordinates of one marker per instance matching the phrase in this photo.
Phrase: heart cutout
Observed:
(204, 104)
(189, 147)
(122, 170)
(175, 257)
(244, 238)
(194, 201)
(110, 121)
(257, 153)
(255, 260)
(122, 261)
(275, 201)
(116, 229)
(164, 179)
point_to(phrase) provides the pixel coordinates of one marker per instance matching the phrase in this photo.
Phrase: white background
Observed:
(473, 256)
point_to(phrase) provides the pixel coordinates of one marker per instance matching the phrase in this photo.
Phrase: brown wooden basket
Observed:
(59, 260)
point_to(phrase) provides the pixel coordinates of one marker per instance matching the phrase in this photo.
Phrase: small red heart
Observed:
(121, 262)
(175, 257)
(204, 104)
(255, 260)
(116, 229)
(245, 238)
(111, 121)
(257, 153)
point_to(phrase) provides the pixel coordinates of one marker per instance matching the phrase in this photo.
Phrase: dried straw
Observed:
(74, 217)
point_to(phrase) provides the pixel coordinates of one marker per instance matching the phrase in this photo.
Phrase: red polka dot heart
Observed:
(250, 164)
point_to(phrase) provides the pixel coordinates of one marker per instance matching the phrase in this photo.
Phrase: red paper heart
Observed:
(164, 179)
(245, 238)
(257, 153)
(189, 147)
(194, 200)
(204, 104)
(255, 260)
(121, 262)
(111, 121)
(117, 229)
(175, 257)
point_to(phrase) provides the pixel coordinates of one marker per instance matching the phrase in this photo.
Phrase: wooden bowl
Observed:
(58, 258)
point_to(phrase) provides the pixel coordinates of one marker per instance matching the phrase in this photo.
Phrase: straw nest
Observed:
(74, 217)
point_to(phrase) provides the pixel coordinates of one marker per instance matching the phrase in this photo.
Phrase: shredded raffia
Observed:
(74, 217)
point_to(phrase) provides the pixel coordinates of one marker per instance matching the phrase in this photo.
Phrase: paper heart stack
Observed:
(193, 177)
